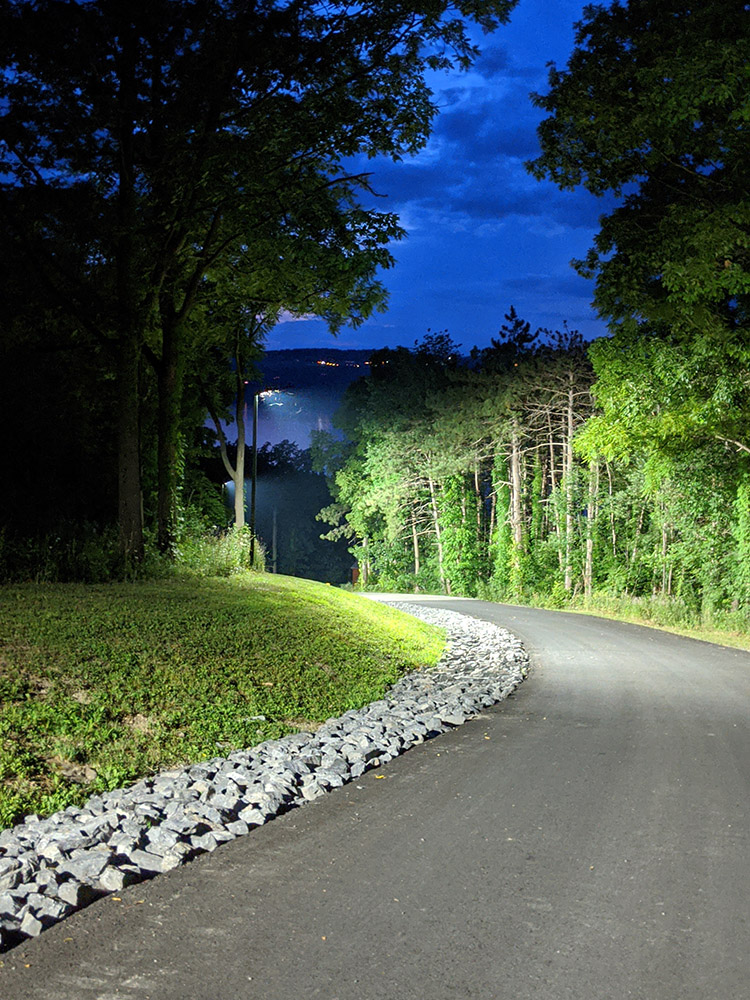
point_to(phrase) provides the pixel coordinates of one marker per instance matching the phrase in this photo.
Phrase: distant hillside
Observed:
(315, 367)
(311, 384)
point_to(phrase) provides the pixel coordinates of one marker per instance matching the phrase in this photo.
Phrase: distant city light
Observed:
(337, 364)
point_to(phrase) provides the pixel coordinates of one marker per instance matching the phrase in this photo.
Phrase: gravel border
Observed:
(51, 867)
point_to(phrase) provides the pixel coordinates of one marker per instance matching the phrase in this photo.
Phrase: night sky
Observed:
(483, 234)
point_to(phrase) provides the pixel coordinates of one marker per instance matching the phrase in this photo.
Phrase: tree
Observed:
(221, 381)
(387, 487)
(653, 108)
(187, 134)
(319, 256)
(502, 369)
(454, 467)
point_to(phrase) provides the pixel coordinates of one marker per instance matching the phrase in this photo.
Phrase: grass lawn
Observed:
(103, 684)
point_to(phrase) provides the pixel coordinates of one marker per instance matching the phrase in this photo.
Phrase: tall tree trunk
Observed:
(633, 555)
(516, 507)
(536, 532)
(556, 528)
(612, 527)
(170, 379)
(516, 512)
(240, 408)
(493, 516)
(445, 583)
(130, 500)
(551, 444)
(481, 514)
(666, 568)
(638, 529)
(588, 572)
(237, 471)
(254, 482)
(568, 484)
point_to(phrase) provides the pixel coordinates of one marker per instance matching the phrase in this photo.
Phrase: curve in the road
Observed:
(587, 839)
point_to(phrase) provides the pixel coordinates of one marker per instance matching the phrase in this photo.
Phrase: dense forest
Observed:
(174, 177)
(541, 468)
(165, 200)
(620, 472)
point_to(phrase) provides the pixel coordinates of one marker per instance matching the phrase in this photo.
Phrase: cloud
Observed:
(482, 134)
(289, 317)
(482, 232)
(494, 60)
(474, 166)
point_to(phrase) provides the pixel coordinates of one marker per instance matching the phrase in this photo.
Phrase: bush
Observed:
(219, 553)
(86, 553)
(656, 609)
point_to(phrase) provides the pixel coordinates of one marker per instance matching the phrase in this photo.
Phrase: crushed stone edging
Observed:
(51, 867)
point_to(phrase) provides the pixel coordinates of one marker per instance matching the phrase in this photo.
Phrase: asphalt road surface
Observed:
(587, 839)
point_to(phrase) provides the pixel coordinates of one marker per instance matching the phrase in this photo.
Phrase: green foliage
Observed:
(655, 96)
(646, 508)
(218, 553)
(87, 554)
(741, 530)
(204, 505)
(502, 543)
(190, 176)
(101, 685)
(73, 552)
(653, 107)
(726, 626)
(390, 568)
(459, 535)
(437, 473)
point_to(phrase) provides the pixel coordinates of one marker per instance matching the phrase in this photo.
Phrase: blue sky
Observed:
(483, 234)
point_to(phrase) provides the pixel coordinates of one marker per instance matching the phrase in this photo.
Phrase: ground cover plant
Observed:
(103, 684)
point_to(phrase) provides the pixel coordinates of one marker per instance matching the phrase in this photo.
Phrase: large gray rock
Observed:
(77, 894)
(115, 879)
(31, 926)
(146, 861)
(87, 867)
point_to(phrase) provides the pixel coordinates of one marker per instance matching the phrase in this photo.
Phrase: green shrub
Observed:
(219, 553)
(86, 553)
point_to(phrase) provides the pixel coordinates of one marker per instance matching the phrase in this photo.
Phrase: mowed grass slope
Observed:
(101, 685)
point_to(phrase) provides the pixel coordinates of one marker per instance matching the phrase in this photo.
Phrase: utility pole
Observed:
(254, 487)
(273, 542)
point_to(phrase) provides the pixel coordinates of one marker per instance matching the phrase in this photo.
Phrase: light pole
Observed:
(254, 486)
(254, 479)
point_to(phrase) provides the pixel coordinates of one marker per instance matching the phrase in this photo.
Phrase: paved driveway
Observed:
(587, 839)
